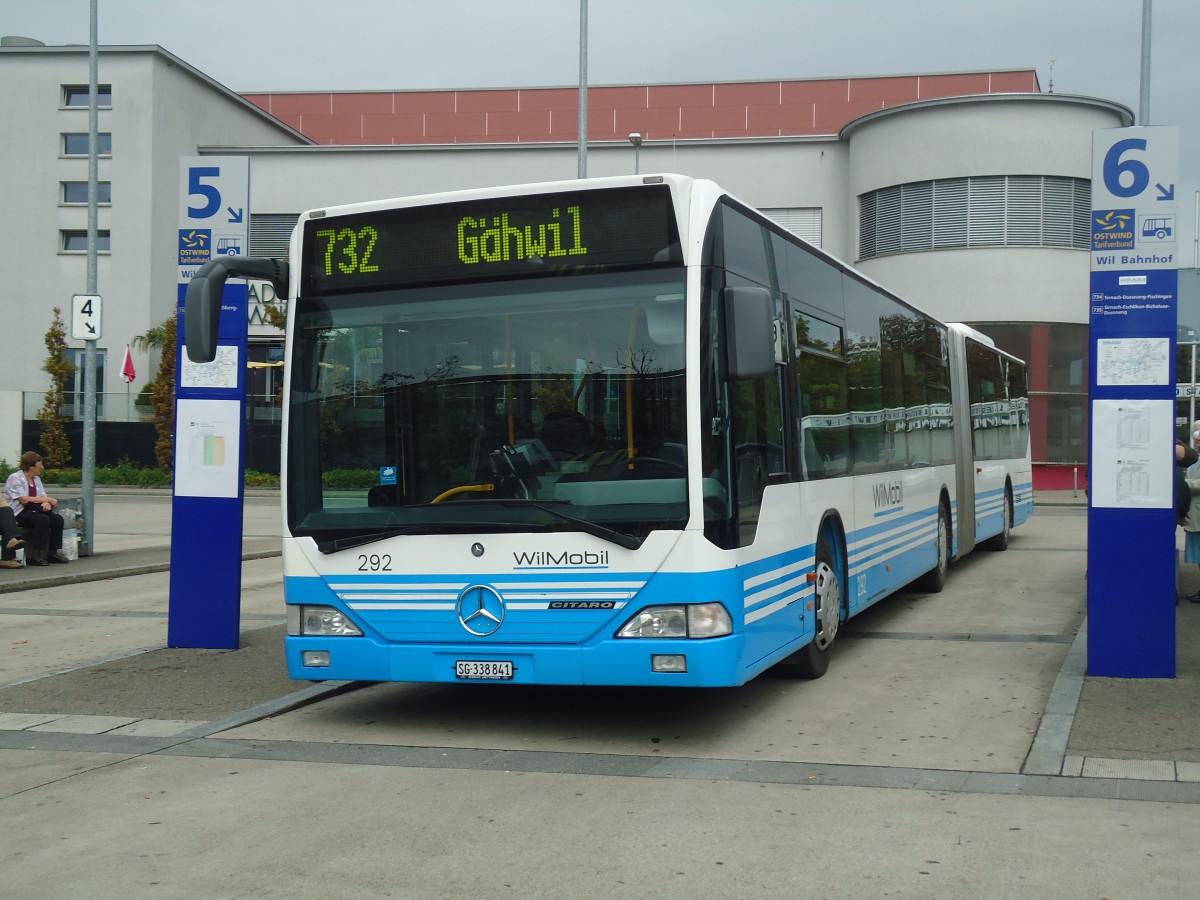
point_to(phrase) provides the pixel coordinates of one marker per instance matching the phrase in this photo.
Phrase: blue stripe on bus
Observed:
(887, 552)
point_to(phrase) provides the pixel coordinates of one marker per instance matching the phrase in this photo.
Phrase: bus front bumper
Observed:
(713, 662)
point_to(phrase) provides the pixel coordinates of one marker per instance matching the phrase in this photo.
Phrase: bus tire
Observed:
(1000, 541)
(934, 580)
(812, 660)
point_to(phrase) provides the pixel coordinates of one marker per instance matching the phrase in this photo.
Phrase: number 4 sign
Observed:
(85, 317)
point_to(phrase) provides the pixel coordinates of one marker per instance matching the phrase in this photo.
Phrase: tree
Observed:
(161, 389)
(162, 394)
(153, 339)
(55, 446)
(275, 312)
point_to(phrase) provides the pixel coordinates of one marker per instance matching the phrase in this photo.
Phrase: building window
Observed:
(75, 144)
(987, 211)
(803, 222)
(76, 242)
(76, 192)
(76, 95)
(75, 389)
(271, 233)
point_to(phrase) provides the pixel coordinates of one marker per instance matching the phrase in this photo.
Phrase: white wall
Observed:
(1003, 284)
(793, 173)
(10, 427)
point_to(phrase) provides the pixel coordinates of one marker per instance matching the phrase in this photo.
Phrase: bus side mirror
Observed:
(749, 332)
(202, 304)
(202, 315)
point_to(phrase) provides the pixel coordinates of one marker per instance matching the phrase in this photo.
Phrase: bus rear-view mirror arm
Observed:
(202, 306)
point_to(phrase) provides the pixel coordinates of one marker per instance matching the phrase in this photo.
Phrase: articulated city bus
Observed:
(621, 431)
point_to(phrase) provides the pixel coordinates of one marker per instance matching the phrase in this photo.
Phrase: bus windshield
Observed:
(538, 404)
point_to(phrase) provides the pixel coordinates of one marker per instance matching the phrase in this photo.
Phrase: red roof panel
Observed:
(658, 112)
(486, 101)
(531, 124)
(743, 94)
(894, 90)
(362, 104)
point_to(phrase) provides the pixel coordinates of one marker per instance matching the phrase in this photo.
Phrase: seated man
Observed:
(33, 509)
(11, 541)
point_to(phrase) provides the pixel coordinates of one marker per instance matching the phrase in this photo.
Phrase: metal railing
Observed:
(118, 406)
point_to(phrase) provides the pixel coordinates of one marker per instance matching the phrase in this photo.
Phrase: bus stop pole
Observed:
(88, 461)
(583, 88)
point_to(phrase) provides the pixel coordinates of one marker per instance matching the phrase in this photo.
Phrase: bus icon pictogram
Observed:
(1161, 227)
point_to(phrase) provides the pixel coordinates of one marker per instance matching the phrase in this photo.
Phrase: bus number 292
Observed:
(374, 563)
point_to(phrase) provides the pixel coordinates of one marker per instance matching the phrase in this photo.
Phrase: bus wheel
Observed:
(1000, 541)
(934, 580)
(812, 660)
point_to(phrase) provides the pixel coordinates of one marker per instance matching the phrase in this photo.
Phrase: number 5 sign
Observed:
(214, 209)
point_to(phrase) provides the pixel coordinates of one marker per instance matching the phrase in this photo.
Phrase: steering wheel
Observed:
(513, 474)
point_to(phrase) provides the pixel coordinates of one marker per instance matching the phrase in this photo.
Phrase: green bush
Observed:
(261, 479)
(350, 479)
(129, 474)
(124, 473)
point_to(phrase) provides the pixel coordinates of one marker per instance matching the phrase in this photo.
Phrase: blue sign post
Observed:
(210, 409)
(1133, 315)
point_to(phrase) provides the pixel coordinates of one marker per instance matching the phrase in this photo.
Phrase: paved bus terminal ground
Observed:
(955, 748)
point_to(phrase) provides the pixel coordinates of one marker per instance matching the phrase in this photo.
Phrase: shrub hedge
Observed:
(128, 474)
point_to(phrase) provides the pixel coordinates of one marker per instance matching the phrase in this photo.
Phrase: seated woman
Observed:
(33, 509)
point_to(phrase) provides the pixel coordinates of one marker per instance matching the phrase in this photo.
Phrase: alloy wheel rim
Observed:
(829, 604)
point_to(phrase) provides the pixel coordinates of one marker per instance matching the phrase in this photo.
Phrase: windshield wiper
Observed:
(358, 540)
(620, 538)
(603, 532)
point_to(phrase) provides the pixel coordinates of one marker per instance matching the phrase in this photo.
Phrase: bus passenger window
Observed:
(824, 416)
(821, 386)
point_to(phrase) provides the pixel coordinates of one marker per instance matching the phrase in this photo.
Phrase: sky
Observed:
(1087, 47)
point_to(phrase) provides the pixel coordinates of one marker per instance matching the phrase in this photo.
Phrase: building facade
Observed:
(154, 109)
(966, 193)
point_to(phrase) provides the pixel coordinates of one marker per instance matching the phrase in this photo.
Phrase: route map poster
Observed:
(1133, 361)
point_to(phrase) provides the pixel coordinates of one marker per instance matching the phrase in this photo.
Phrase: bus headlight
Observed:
(685, 620)
(319, 621)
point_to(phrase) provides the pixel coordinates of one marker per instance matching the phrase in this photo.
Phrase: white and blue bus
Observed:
(621, 431)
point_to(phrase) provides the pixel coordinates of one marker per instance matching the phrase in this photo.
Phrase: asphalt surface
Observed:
(956, 748)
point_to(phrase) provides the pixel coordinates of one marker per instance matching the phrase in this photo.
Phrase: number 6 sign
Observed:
(1138, 166)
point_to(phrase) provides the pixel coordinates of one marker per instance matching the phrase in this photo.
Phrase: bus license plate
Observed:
(480, 668)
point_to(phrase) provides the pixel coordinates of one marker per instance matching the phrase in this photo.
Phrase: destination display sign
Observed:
(541, 234)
